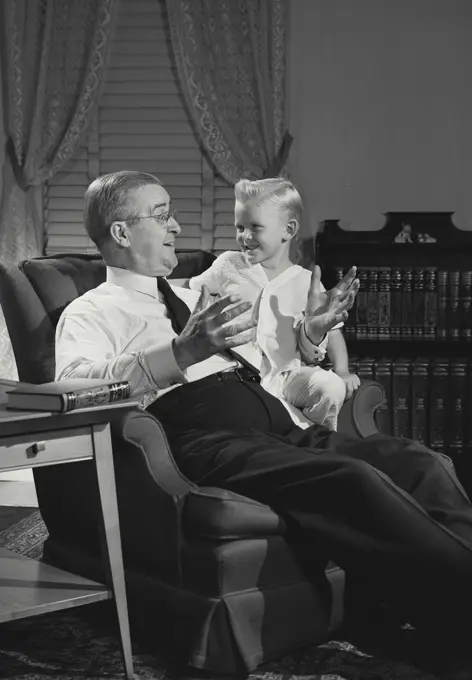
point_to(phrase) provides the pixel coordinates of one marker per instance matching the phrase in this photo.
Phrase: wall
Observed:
(381, 108)
(2, 133)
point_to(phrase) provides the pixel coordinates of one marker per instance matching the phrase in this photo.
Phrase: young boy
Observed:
(267, 218)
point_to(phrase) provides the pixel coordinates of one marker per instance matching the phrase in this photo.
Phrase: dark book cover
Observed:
(452, 306)
(362, 307)
(401, 407)
(67, 395)
(430, 303)
(456, 408)
(383, 375)
(407, 304)
(441, 330)
(372, 304)
(395, 303)
(418, 303)
(437, 415)
(384, 303)
(465, 303)
(420, 379)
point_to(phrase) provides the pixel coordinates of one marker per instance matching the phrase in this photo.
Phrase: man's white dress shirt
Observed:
(121, 331)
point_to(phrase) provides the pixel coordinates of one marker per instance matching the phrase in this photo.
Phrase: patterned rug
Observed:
(10, 514)
(80, 644)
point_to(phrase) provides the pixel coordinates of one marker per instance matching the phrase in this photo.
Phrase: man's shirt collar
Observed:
(133, 281)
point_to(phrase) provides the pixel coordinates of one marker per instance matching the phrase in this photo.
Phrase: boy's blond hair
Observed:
(276, 190)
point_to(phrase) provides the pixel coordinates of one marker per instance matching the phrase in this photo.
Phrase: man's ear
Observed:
(120, 234)
(291, 230)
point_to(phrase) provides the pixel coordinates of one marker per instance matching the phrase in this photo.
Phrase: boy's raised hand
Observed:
(325, 309)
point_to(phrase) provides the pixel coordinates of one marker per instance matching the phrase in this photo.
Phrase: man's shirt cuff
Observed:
(311, 354)
(160, 365)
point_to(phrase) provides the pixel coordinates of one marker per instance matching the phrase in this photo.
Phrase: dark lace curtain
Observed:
(54, 55)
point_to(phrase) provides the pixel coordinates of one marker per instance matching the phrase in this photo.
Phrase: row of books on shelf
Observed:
(426, 399)
(411, 303)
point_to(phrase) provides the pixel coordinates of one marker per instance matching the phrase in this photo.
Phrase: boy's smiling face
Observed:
(262, 231)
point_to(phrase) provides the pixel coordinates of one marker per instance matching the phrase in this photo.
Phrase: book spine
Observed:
(418, 303)
(384, 303)
(468, 418)
(338, 274)
(383, 375)
(453, 321)
(353, 364)
(441, 330)
(95, 396)
(395, 303)
(362, 306)
(456, 408)
(437, 414)
(430, 303)
(407, 305)
(401, 398)
(372, 304)
(465, 305)
(365, 368)
(349, 330)
(419, 400)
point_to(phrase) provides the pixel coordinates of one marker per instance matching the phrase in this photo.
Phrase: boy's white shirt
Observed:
(279, 305)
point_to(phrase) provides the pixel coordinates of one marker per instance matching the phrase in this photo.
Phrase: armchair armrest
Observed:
(357, 415)
(139, 435)
(151, 491)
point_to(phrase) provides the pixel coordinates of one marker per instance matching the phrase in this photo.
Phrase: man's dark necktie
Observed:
(179, 314)
(178, 311)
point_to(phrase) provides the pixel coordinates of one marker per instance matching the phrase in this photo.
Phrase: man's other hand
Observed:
(325, 309)
(211, 329)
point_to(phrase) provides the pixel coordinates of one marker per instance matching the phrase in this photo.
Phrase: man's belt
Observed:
(243, 374)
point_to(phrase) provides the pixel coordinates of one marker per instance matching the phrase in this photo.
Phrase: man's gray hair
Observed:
(106, 201)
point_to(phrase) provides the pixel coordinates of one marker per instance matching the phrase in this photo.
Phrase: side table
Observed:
(29, 587)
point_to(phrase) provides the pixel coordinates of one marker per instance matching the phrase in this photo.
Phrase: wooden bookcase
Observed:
(411, 326)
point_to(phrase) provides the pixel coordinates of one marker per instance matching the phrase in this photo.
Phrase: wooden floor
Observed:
(18, 493)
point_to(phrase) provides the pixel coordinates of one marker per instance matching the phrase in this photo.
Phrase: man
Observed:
(389, 511)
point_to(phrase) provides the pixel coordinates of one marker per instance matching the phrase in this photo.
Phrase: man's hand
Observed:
(209, 329)
(352, 382)
(326, 309)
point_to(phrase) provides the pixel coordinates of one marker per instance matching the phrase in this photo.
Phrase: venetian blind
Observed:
(224, 216)
(142, 124)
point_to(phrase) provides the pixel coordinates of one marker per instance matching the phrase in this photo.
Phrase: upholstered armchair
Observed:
(209, 573)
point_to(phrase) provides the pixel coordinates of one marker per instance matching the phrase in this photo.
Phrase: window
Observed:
(142, 124)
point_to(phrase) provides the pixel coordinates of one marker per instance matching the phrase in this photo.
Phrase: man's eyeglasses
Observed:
(163, 218)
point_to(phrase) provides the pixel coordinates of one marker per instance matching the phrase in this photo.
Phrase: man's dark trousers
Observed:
(387, 510)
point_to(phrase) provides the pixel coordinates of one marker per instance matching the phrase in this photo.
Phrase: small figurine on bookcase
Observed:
(426, 238)
(404, 236)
